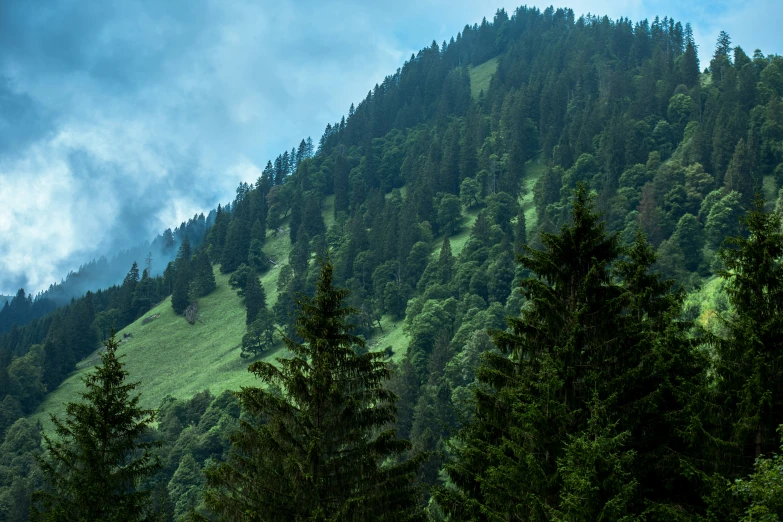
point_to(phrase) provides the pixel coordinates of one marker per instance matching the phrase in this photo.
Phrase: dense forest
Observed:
(559, 365)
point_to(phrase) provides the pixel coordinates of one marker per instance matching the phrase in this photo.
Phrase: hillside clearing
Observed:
(480, 76)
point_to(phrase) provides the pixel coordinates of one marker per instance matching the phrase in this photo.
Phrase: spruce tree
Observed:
(321, 450)
(590, 402)
(445, 262)
(255, 297)
(750, 355)
(101, 454)
(203, 276)
(180, 293)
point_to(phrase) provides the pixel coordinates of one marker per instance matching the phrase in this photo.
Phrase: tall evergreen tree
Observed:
(750, 357)
(101, 455)
(255, 297)
(315, 452)
(571, 414)
(180, 293)
(203, 276)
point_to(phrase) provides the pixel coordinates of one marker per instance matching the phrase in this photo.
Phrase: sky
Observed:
(121, 119)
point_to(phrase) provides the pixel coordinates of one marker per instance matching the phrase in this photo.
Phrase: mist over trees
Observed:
(103, 273)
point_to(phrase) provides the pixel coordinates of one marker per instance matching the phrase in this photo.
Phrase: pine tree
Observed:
(100, 455)
(445, 262)
(583, 344)
(689, 66)
(203, 276)
(740, 176)
(180, 295)
(750, 357)
(255, 297)
(128, 310)
(520, 230)
(340, 183)
(315, 452)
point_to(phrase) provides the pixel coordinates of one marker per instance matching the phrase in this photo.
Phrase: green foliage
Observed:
(469, 191)
(558, 406)
(449, 213)
(596, 470)
(95, 467)
(314, 452)
(185, 486)
(203, 276)
(255, 297)
(751, 353)
(762, 491)
(260, 334)
(180, 295)
(723, 219)
(238, 280)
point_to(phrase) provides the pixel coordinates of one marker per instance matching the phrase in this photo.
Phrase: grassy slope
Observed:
(769, 189)
(171, 357)
(534, 169)
(480, 76)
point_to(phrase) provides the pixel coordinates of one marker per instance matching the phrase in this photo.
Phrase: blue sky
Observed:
(120, 119)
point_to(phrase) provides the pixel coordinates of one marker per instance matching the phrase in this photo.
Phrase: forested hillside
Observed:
(570, 158)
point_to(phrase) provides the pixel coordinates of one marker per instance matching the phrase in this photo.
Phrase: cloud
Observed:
(125, 120)
(120, 119)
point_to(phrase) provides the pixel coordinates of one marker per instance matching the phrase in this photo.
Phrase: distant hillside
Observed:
(105, 272)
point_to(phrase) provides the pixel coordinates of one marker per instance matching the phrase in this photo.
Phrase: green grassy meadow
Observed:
(480, 76)
(169, 356)
(534, 169)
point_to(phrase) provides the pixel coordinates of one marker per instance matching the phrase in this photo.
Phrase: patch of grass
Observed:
(169, 356)
(327, 210)
(534, 169)
(769, 189)
(392, 335)
(481, 75)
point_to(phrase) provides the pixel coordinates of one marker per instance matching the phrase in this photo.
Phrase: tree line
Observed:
(101, 273)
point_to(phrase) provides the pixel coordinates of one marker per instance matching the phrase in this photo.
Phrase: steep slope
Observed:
(172, 357)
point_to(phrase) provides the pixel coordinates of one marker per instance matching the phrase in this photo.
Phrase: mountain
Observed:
(422, 197)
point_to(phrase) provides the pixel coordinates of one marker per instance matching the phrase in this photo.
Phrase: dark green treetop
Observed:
(322, 449)
(95, 465)
(582, 420)
(750, 357)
